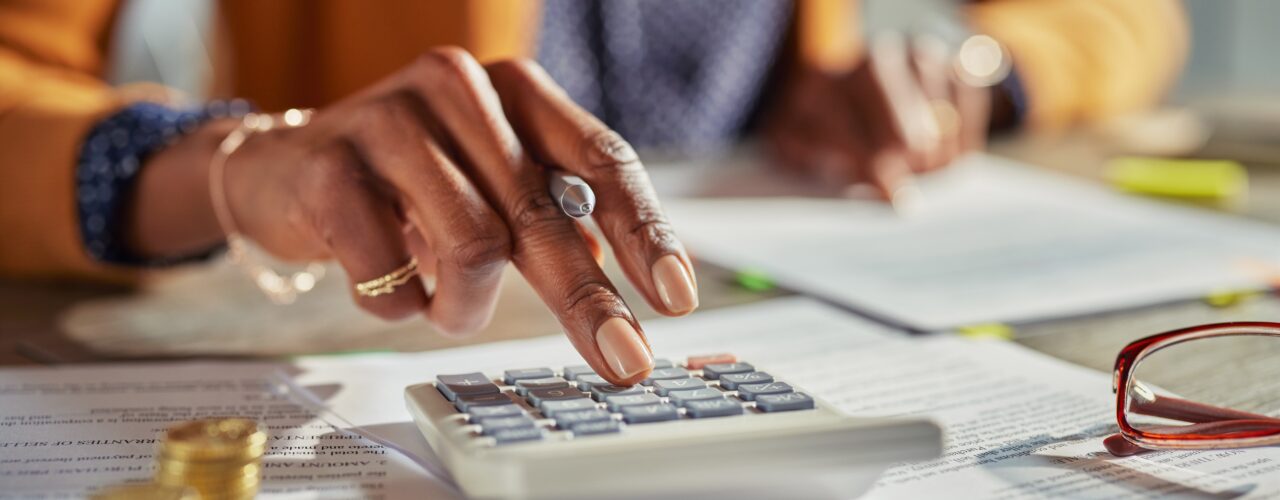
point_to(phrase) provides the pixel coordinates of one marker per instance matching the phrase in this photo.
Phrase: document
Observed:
(990, 241)
(1018, 424)
(67, 432)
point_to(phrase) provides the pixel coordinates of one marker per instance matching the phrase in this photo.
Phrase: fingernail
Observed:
(675, 286)
(622, 348)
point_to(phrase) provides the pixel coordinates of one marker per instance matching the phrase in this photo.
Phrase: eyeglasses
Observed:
(1209, 386)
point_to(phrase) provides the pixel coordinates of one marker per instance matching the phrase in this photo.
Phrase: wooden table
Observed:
(213, 311)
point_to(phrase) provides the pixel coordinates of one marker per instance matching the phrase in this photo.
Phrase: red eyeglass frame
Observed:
(1209, 426)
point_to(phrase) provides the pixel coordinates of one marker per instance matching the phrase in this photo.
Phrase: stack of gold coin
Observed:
(220, 458)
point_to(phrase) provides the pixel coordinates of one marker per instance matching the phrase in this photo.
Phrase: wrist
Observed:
(170, 211)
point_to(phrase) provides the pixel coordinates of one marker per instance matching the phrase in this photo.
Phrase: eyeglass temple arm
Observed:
(1204, 418)
(1189, 411)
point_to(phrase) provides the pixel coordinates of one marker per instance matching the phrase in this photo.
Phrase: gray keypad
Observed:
(600, 392)
(617, 402)
(643, 414)
(666, 374)
(572, 372)
(750, 392)
(465, 403)
(586, 382)
(662, 387)
(600, 427)
(482, 412)
(537, 396)
(713, 408)
(492, 425)
(731, 381)
(583, 403)
(682, 398)
(511, 376)
(715, 370)
(524, 386)
(507, 436)
(466, 383)
(790, 401)
(551, 408)
(567, 419)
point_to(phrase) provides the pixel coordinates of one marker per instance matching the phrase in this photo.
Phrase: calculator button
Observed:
(567, 419)
(715, 370)
(537, 396)
(784, 402)
(524, 386)
(553, 407)
(662, 363)
(572, 373)
(493, 425)
(649, 413)
(586, 382)
(682, 398)
(732, 380)
(600, 392)
(465, 402)
(618, 402)
(750, 392)
(662, 387)
(482, 412)
(713, 408)
(697, 362)
(506, 436)
(666, 374)
(511, 376)
(600, 427)
(467, 383)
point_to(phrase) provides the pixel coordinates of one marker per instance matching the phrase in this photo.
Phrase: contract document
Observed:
(988, 241)
(67, 432)
(1018, 424)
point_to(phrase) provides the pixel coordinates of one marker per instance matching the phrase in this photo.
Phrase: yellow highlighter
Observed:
(1200, 179)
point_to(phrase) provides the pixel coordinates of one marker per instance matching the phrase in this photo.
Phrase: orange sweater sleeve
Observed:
(1082, 60)
(50, 96)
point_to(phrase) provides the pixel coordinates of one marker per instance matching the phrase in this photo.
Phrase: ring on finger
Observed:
(387, 283)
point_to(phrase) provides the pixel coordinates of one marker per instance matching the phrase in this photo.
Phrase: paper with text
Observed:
(1019, 424)
(66, 432)
(989, 242)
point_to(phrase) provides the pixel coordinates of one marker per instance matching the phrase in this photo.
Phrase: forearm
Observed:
(170, 212)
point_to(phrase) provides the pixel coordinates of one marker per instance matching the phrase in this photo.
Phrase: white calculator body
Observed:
(713, 427)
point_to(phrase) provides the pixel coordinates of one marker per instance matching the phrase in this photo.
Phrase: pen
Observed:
(572, 194)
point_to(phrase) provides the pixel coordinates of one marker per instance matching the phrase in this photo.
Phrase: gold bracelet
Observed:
(279, 288)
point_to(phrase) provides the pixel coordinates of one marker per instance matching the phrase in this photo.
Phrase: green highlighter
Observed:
(1179, 178)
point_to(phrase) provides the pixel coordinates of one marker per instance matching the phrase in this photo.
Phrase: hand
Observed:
(900, 112)
(444, 161)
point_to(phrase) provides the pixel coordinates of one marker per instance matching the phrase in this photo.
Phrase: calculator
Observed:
(712, 426)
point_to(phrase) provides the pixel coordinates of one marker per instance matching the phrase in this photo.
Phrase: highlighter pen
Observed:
(572, 194)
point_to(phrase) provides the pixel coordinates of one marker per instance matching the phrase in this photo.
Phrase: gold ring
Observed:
(387, 283)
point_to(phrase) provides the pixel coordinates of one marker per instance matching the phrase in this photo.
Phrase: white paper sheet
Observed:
(66, 432)
(1019, 424)
(990, 242)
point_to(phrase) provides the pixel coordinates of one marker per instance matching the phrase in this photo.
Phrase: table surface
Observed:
(212, 311)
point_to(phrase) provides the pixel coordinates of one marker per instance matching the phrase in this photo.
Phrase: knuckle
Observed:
(608, 151)
(533, 208)
(654, 229)
(445, 66)
(589, 296)
(479, 252)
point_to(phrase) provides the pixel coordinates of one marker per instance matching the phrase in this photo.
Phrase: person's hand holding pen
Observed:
(905, 109)
(445, 162)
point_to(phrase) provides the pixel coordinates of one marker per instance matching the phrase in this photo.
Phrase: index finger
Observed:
(562, 134)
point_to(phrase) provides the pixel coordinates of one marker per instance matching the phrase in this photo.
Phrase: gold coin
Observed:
(214, 439)
(148, 491)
